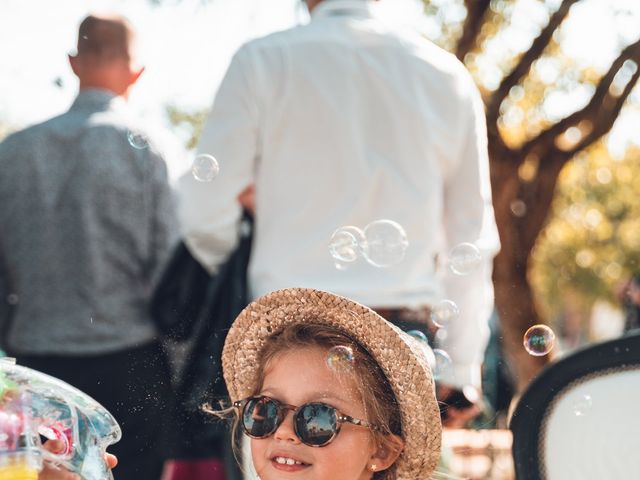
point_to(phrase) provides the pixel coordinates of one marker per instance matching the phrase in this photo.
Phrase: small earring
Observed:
(374, 467)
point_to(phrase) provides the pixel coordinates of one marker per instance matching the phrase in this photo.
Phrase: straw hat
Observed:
(398, 354)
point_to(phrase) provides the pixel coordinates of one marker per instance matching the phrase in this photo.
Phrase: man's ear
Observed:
(73, 61)
(135, 75)
(387, 452)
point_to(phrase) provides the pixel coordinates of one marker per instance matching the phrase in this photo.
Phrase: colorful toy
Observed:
(34, 408)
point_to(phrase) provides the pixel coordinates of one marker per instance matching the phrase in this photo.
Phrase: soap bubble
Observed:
(464, 258)
(386, 243)
(518, 208)
(346, 244)
(442, 363)
(444, 313)
(418, 335)
(137, 140)
(205, 168)
(539, 340)
(340, 358)
(582, 406)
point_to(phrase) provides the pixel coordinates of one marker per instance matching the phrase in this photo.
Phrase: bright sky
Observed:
(187, 46)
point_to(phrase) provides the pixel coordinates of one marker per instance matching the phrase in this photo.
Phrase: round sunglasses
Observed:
(315, 424)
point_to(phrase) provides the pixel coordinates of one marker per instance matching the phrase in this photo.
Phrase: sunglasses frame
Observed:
(282, 408)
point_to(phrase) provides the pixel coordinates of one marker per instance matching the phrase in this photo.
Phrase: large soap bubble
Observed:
(444, 312)
(464, 258)
(539, 340)
(205, 168)
(346, 245)
(386, 243)
(137, 140)
(340, 358)
(442, 364)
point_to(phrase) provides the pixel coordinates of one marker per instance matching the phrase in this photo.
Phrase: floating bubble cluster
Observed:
(137, 140)
(382, 243)
(340, 358)
(442, 363)
(464, 258)
(539, 340)
(582, 406)
(386, 243)
(205, 168)
(443, 313)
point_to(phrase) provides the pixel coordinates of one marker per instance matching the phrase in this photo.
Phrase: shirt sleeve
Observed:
(209, 211)
(469, 217)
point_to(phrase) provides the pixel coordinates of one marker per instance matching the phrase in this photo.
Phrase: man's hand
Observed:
(247, 199)
(52, 472)
(458, 407)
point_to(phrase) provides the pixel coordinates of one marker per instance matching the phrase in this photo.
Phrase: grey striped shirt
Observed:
(86, 222)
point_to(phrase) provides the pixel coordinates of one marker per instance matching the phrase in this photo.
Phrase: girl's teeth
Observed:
(287, 461)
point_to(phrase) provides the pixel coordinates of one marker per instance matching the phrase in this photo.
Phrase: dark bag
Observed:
(179, 297)
(225, 296)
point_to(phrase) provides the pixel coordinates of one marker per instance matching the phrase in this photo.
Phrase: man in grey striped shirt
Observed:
(86, 222)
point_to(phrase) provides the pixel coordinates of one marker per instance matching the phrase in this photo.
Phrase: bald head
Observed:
(106, 45)
(106, 37)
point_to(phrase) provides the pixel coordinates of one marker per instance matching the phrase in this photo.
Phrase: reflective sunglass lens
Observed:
(316, 424)
(260, 417)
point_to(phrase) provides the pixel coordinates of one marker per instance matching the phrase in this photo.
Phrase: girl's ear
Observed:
(386, 453)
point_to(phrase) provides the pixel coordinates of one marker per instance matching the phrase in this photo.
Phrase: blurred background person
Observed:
(88, 219)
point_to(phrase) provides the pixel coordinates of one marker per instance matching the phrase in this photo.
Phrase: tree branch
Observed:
(524, 65)
(602, 110)
(472, 26)
(608, 114)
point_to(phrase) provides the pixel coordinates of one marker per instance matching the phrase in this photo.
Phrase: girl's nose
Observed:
(285, 431)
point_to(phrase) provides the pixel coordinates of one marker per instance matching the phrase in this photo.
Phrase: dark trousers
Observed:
(134, 385)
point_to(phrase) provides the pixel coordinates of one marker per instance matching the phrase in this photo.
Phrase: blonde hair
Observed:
(381, 405)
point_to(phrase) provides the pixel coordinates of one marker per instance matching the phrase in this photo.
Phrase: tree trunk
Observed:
(514, 298)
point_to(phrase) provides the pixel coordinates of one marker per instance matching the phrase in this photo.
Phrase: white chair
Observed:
(580, 419)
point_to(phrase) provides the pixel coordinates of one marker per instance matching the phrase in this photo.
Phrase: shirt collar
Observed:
(96, 99)
(343, 8)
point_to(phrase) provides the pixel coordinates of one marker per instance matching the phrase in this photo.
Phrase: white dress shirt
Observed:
(342, 122)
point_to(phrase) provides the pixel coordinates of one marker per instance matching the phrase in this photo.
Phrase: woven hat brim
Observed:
(399, 356)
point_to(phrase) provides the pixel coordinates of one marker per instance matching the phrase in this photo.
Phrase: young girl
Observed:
(328, 390)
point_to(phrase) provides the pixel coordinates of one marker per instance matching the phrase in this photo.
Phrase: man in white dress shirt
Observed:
(342, 122)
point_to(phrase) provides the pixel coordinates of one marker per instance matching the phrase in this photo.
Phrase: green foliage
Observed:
(592, 241)
(188, 122)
